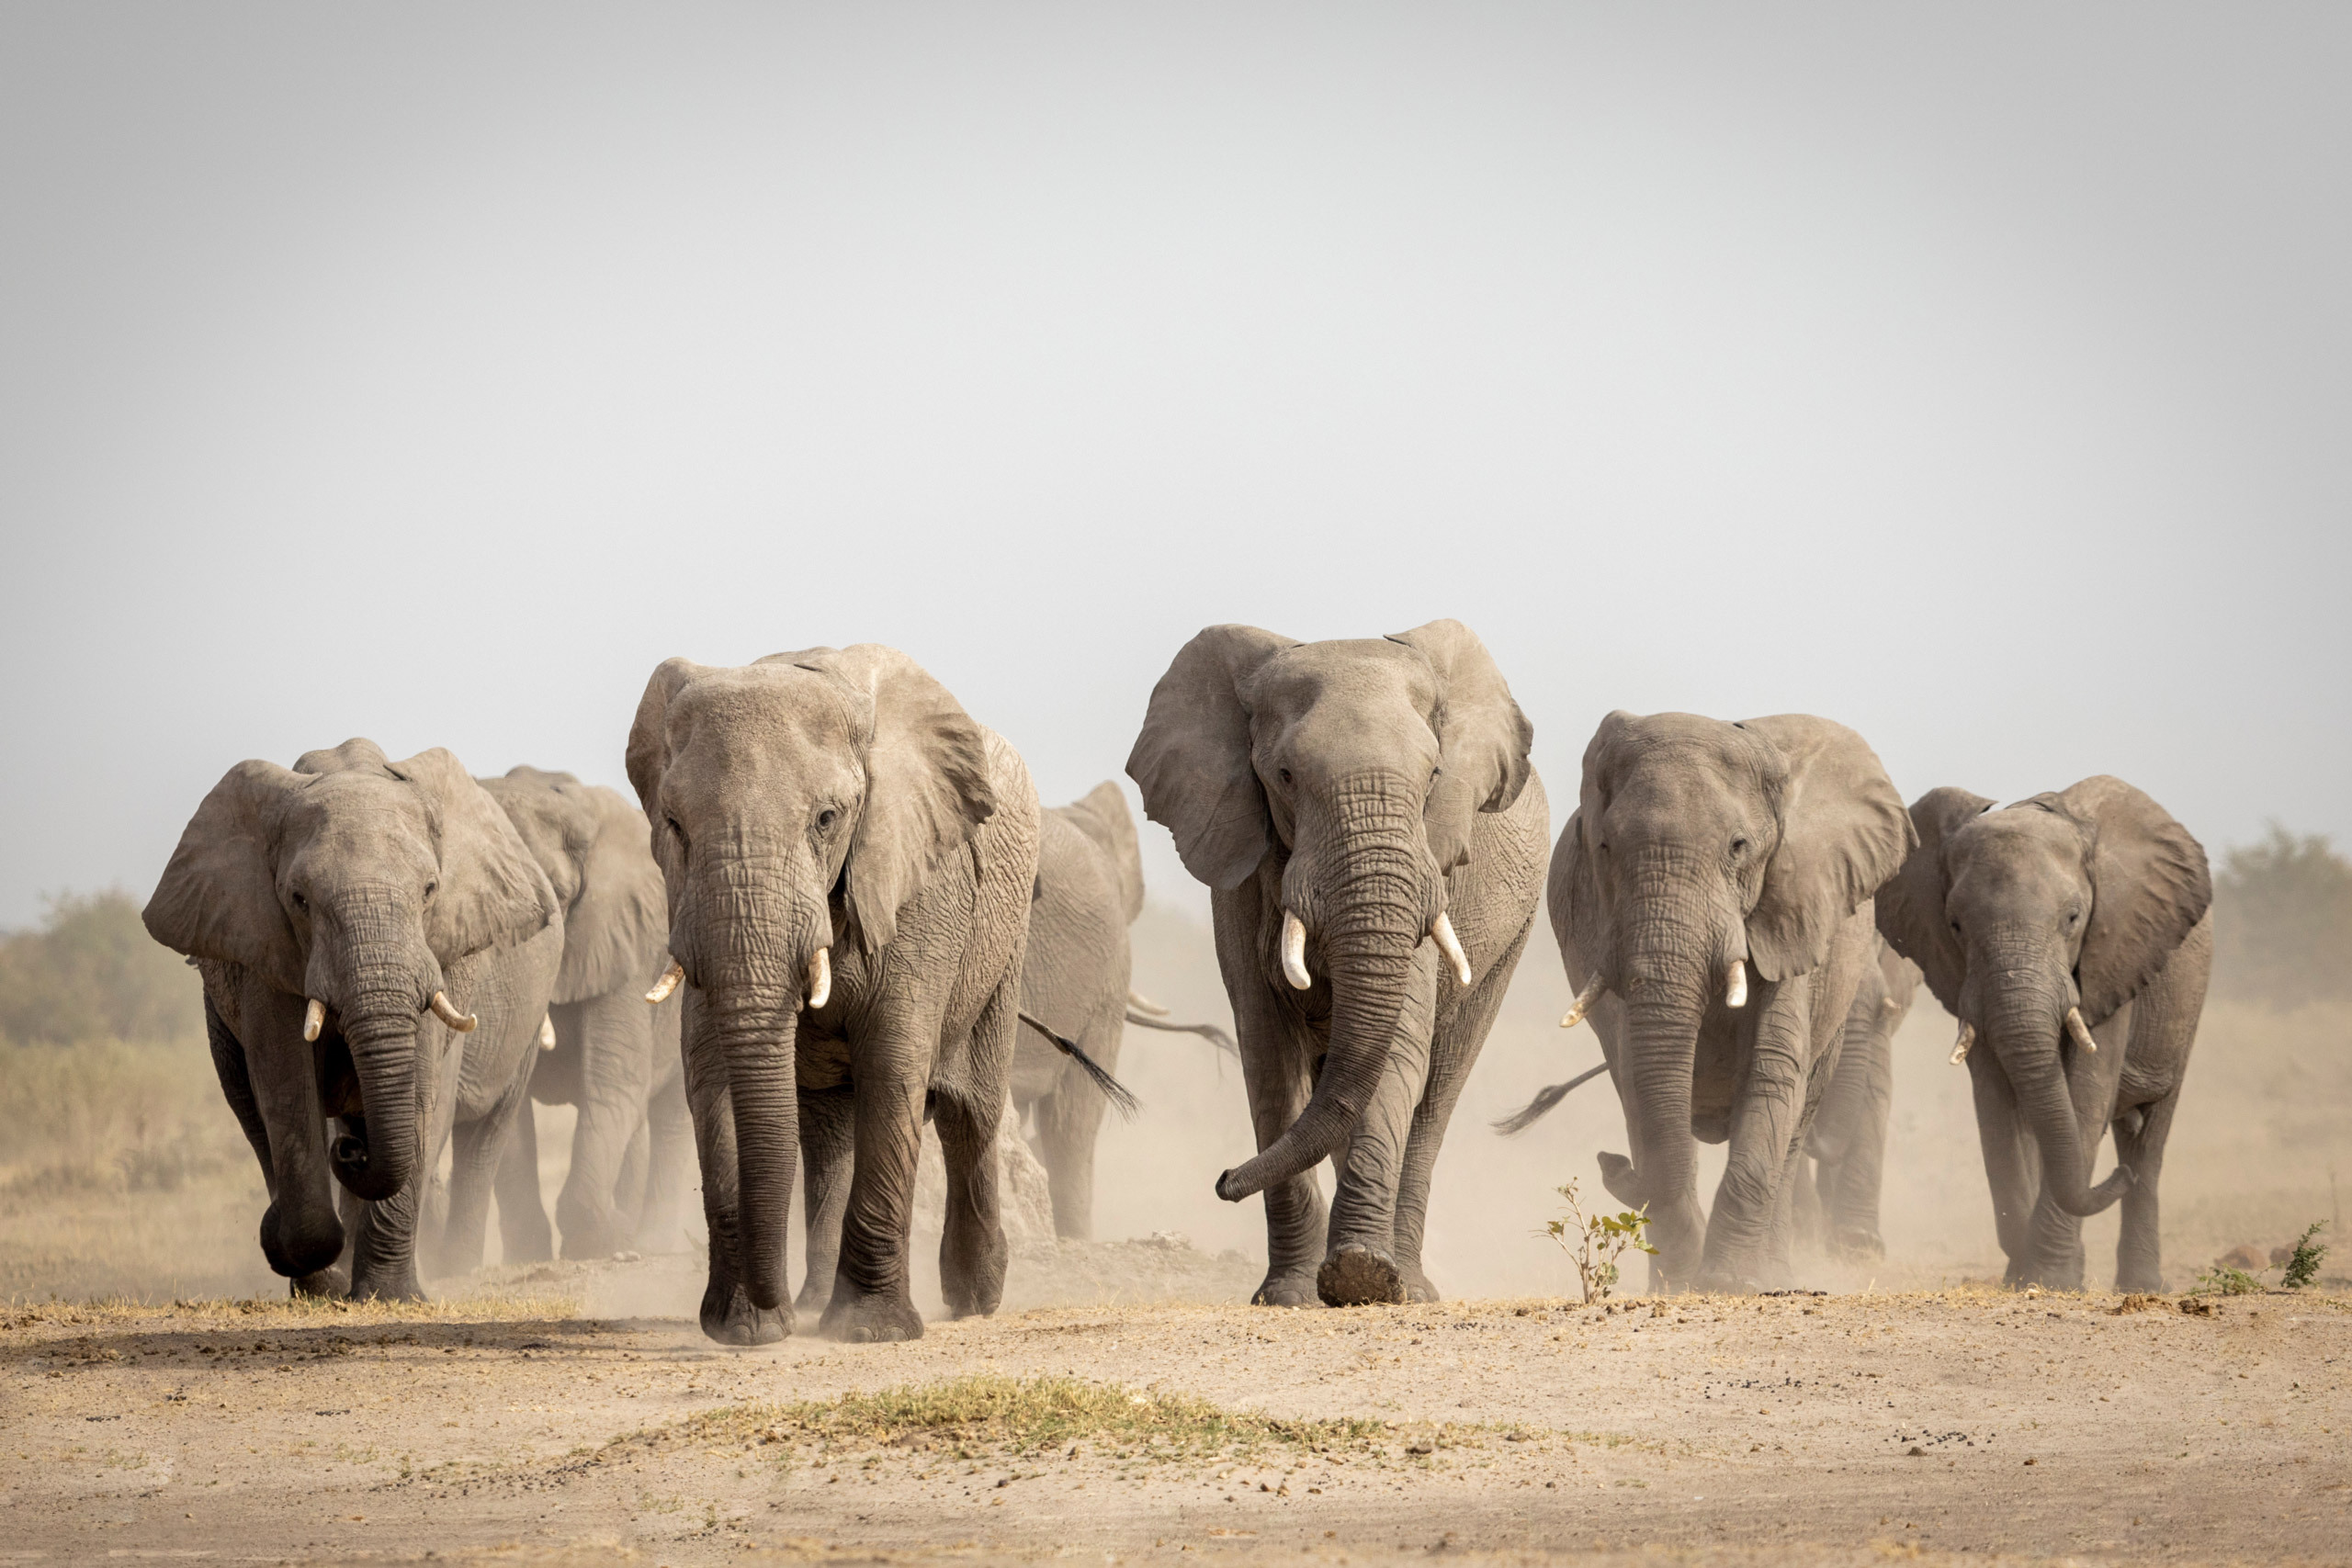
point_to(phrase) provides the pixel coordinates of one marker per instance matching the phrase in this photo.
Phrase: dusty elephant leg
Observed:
(614, 1036)
(523, 1232)
(2003, 1141)
(1765, 1127)
(1456, 1037)
(1778, 1270)
(1069, 1121)
(1811, 1180)
(2139, 1255)
(828, 1142)
(727, 1313)
(629, 1187)
(871, 1300)
(1296, 1223)
(476, 1149)
(971, 1245)
(669, 1175)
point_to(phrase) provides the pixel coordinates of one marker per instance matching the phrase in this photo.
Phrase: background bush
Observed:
(2283, 921)
(91, 971)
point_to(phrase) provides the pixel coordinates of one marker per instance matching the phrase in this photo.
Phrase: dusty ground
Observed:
(1774, 1430)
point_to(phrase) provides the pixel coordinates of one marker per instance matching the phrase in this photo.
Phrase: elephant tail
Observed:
(1535, 1109)
(1121, 1098)
(1208, 1031)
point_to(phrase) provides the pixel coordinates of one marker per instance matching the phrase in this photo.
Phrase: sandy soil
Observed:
(1794, 1428)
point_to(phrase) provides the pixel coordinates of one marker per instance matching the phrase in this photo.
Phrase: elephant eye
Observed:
(301, 903)
(826, 818)
(1738, 846)
(680, 832)
(1283, 774)
(430, 888)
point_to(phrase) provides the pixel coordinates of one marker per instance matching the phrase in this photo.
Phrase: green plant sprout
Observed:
(1594, 1243)
(2303, 1267)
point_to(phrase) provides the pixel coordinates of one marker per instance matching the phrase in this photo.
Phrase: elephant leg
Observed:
(2139, 1255)
(1767, 1124)
(2003, 1141)
(383, 1256)
(727, 1314)
(1850, 1202)
(828, 1142)
(870, 1299)
(523, 1232)
(615, 1034)
(476, 1149)
(1811, 1178)
(1069, 1121)
(972, 1251)
(629, 1187)
(1360, 1264)
(669, 1177)
(1457, 1037)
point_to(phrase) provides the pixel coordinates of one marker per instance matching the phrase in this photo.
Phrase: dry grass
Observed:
(290, 1312)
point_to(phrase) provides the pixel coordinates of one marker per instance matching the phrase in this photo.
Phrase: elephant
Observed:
(848, 860)
(2071, 934)
(606, 1052)
(1836, 1200)
(1371, 830)
(1702, 850)
(1075, 977)
(376, 946)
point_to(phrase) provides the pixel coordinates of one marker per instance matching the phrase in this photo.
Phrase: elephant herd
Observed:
(840, 914)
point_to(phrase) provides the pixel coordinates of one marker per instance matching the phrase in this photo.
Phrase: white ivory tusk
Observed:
(1585, 998)
(2080, 1030)
(1960, 1046)
(547, 1032)
(820, 976)
(1441, 929)
(1736, 985)
(1142, 1003)
(314, 1018)
(668, 983)
(1295, 952)
(463, 1022)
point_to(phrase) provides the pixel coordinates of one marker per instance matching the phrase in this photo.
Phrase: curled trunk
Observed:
(1370, 927)
(2025, 1036)
(378, 1157)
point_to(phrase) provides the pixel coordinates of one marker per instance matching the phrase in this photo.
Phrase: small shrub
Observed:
(1594, 1243)
(2303, 1264)
(2223, 1281)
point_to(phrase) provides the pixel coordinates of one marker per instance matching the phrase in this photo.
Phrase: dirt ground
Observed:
(1782, 1429)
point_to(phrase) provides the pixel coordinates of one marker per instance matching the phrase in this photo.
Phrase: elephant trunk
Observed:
(390, 974)
(1669, 971)
(2025, 1028)
(752, 979)
(1370, 926)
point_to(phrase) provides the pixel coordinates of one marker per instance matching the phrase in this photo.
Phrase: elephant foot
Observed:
(862, 1319)
(814, 1298)
(1287, 1288)
(1357, 1276)
(2140, 1279)
(729, 1318)
(1857, 1244)
(1617, 1178)
(326, 1282)
(401, 1287)
(1417, 1285)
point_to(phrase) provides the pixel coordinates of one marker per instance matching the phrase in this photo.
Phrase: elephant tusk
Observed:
(1960, 1046)
(1441, 929)
(1890, 1005)
(820, 976)
(1736, 985)
(1295, 952)
(1583, 1004)
(547, 1032)
(1142, 1003)
(463, 1022)
(314, 1018)
(2080, 1030)
(667, 984)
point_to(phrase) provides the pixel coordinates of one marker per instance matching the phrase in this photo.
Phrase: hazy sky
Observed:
(1975, 376)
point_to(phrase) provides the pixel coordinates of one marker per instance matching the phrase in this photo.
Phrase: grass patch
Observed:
(973, 1415)
(292, 1311)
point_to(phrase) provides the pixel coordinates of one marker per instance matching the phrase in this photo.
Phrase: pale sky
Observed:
(1975, 375)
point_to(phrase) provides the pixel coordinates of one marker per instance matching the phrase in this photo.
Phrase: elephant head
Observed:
(795, 803)
(356, 883)
(1352, 773)
(1702, 849)
(594, 846)
(2033, 924)
(1101, 814)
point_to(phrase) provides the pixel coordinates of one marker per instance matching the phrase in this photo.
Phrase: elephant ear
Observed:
(927, 788)
(1101, 814)
(218, 897)
(1911, 907)
(556, 820)
(1483, 738)
(617, 930)
(2149, 884)
(1193, 759)
(1573, 891)
(648, 757)
(1843, 833)
(493, 894)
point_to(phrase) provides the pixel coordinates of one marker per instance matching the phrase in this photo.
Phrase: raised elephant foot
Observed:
(729, 1318)
(1617, 1178)
(1287, 1288)
(1359, 1276)
(865, 1319)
